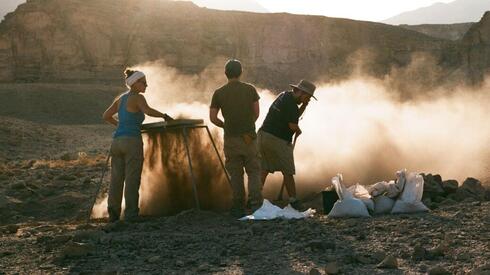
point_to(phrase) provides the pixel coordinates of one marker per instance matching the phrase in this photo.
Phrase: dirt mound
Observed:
(24, 140)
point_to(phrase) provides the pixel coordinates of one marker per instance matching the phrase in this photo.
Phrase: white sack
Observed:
(360, 192)
(353, 208)
(378, 188)
(383, 205)
(269, 211)
(410, 200)
(394, 189)
(347, 205)
(391, 189)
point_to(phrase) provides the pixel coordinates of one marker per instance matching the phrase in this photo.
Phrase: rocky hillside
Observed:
(476, 49)
(443, 31)
(89, 40)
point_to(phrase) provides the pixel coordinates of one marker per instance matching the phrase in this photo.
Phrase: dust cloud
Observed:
(166, 182)
(363, 127)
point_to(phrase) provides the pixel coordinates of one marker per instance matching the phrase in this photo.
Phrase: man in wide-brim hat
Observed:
(275, 137)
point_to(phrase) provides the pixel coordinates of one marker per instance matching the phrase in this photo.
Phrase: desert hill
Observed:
(92, 41)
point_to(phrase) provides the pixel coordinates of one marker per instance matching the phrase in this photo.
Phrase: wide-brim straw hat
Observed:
(305, 86)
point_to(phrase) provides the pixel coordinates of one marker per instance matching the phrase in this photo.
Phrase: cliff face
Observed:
(476, 49)
(445, 31)
(92, 40)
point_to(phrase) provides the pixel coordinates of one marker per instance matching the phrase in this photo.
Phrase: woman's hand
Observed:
(167, 117)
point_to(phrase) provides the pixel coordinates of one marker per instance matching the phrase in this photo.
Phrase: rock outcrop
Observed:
(476, 49)
(443, 31)
(89, 40)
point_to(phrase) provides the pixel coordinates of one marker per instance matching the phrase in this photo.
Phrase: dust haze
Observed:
(364, 127)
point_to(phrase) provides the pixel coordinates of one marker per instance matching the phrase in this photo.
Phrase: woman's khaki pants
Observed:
(126, 165)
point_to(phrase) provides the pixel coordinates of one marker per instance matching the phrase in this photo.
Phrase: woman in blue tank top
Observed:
(127, 146)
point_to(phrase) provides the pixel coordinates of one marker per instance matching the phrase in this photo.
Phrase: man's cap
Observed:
(305, 86)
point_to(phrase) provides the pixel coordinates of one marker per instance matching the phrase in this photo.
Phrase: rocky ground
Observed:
(49, 175)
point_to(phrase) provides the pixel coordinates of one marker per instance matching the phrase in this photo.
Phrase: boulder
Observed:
(332, 268)
(419, 253)
(448, 202)
(378, 256)
(471, 189)
(438, 270)
(450, 186)
(18, 185)
(439, 251)
(69, 156)
(73, 250)
(487, 192)
(390, 262)
(432, 186)
(154, 259)
(10, 229)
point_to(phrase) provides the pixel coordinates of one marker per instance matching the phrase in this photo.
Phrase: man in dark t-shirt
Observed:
(276, 135)
(239, 105)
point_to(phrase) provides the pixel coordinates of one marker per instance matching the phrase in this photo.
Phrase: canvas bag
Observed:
(410, 200)
(346, 205)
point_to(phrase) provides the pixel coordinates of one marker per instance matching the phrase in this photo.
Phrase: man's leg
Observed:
(288, 181)
(252, 167)
(264, 177)
(235, 169)
(234, 165)
(291, 188)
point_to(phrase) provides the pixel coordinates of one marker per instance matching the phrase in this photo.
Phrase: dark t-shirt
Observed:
(283, 111)
(235, 99)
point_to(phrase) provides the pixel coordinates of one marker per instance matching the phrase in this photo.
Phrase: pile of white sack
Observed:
(401, 196)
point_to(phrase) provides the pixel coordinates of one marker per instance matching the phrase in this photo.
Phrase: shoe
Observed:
(296, 204)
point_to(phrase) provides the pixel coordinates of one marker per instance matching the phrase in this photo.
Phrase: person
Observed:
(275, 137)
(127, 146)
(239, 105)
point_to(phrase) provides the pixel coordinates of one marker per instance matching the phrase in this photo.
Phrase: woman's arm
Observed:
(143, 106)
(108, 115)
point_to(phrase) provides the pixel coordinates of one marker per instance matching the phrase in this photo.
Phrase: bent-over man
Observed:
(275, 137)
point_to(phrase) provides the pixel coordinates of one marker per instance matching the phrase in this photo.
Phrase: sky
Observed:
(369, 10)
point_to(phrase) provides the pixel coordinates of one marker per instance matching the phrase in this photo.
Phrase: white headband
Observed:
(134, 77)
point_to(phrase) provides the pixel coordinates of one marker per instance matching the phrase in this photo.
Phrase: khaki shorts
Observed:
(277, 154)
